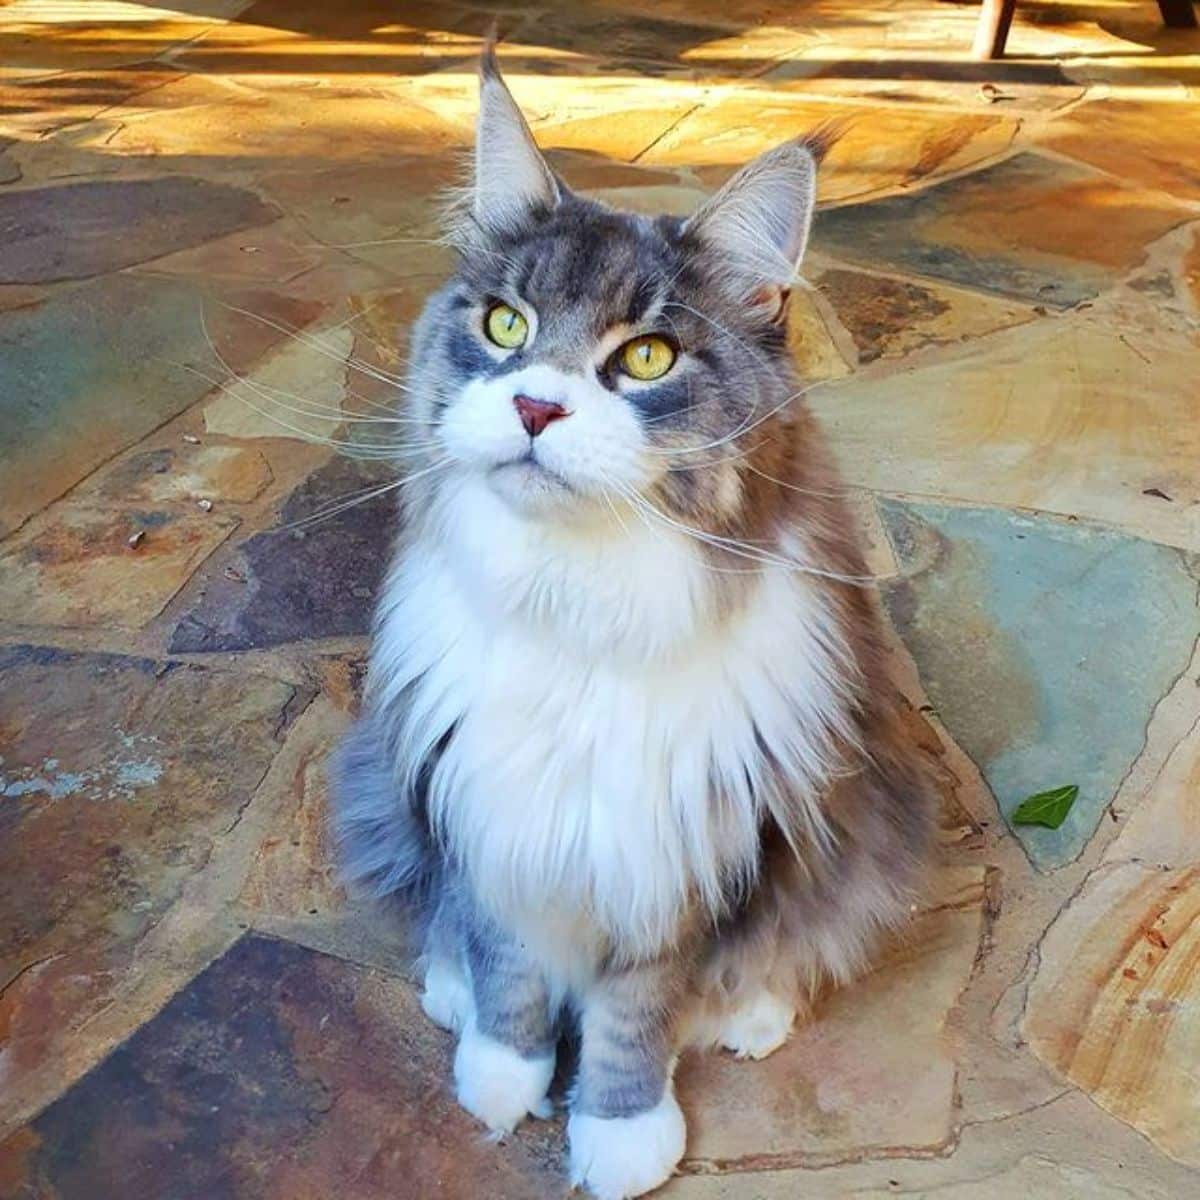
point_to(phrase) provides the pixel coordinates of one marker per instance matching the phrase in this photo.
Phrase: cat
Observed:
(628, 746)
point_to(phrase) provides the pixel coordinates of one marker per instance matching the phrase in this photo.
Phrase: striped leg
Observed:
(505, 1057)
(626, 1130)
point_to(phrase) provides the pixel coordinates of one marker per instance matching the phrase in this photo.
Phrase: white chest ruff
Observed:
(611, 789)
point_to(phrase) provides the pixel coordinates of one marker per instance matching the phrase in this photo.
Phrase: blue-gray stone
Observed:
(1044, 645)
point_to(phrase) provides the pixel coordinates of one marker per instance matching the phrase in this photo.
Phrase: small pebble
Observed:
(191, 439)
(135, 539)
(206, 505)
(992, 94)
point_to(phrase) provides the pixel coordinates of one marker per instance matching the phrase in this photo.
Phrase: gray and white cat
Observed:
(628, 746)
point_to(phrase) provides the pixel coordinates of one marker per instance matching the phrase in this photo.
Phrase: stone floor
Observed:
(210, 208)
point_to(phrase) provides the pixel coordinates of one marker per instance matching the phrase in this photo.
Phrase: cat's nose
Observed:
(537, 414)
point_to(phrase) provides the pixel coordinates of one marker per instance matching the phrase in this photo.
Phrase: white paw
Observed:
(759, 1027)
(447, 997)
(618, 1157)
(495, 1084)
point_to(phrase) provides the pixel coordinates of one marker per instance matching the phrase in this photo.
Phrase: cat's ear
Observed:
(756, 227)
(512, 180)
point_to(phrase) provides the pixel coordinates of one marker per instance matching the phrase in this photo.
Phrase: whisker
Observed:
(364, 450)
(742, 429)
(794, 487)
(307, 407)
(397, 241)
(314, 343)
(350, 322)
(753, 351)
(642, 514)
(334, 508)
(743, 549)
(734, 456)
(341, 504)
(258, 391)
(608, 500)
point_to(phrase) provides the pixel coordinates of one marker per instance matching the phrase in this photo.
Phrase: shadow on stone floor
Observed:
(610, 38)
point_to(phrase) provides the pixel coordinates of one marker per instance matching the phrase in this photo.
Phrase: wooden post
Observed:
(992, 31)
(1177, 14)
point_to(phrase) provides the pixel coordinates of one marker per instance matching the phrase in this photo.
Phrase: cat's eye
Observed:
(505, 326)
(647, 358)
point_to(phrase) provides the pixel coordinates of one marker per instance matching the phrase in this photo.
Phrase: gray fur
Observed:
(629, 1034)
(385, 846)
(512, 998)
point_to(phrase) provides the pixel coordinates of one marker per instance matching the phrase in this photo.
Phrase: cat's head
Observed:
(589, 358)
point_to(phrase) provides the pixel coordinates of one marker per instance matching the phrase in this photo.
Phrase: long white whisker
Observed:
(733, 456)
(795, 488)
(644, 510)
(744, 549)
(339, 506)
(307, 407)
(609, 501)
(742, 429)
(364, 450)
(305, 434)
(307, 339)
(754, 353)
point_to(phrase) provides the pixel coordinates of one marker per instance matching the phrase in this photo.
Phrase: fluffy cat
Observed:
(628, 746)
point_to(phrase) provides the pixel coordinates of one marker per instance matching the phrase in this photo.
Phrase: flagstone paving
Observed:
(218, 220)
(1044, 645)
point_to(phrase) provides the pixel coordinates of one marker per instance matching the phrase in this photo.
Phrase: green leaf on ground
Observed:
(1046, 808)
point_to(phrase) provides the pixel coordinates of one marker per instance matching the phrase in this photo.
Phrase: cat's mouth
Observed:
(526, 478)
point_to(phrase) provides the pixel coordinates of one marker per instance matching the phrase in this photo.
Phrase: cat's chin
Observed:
(530, 488)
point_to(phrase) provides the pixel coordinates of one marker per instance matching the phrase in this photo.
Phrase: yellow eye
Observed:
(506, 327)
(647, 357)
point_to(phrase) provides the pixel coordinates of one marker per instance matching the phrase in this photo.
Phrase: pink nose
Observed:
(537, 414)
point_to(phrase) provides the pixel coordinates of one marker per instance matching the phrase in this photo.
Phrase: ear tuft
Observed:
(821, 140)
(513, 183)
(757, 225)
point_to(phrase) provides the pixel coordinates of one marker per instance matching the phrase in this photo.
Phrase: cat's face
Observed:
(583, 369)
(593, 359)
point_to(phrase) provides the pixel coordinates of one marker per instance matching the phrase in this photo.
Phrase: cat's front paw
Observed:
(446, 999)
(759, 1027)
(497, 1085)
(619, 1157)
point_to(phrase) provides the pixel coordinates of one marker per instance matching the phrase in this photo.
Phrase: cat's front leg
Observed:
(626, 1129)
(506, 1050)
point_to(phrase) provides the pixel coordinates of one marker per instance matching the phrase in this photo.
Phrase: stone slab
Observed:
(892, 148)
(88, 371)
(1027, 228)
(873, 1073)
(1135, 141)
(292, 583)
(77, 230)
(78, 567)
(119, 777)
(216, 473)
(1044, 646)
(1088, 416)
(1115, 1003)
(278, 1073)
(890, 318)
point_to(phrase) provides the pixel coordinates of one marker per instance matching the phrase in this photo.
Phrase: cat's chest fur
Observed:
(607, 760)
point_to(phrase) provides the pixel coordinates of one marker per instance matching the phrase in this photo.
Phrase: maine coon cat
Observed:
(628, 747)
